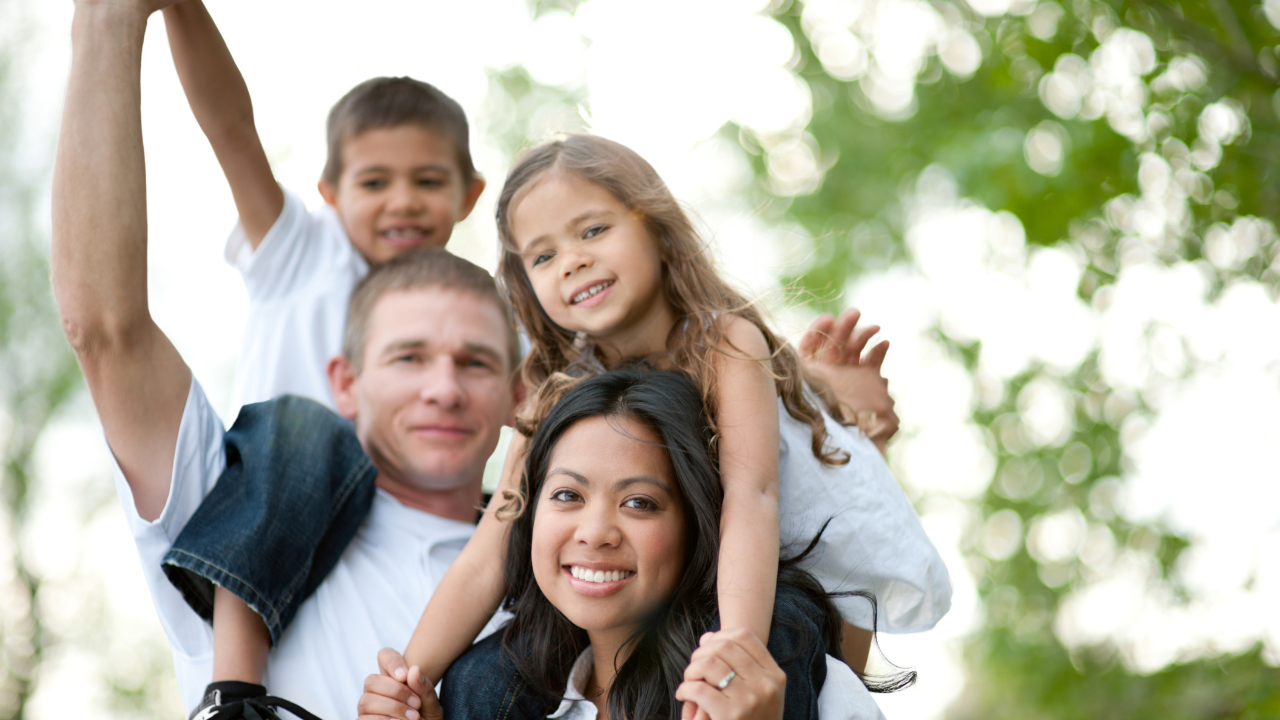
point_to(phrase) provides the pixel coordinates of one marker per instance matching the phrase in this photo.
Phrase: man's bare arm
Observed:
(138, 381)
(220, 101)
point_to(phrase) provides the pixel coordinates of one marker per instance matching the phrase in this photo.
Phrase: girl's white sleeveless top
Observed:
(874, 540)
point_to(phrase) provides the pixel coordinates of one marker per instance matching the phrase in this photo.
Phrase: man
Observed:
(417, 361)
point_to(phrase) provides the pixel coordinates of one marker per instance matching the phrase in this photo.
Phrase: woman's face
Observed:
(608, 537)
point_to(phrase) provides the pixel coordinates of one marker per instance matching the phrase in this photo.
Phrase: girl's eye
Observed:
(539, 259)
(640, 503)
(594, 231)
(566, 496)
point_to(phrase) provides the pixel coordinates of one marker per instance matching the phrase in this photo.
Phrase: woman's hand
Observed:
(732, 676)
(397, 692)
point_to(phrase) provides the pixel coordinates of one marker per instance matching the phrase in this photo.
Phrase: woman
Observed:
(611, 583)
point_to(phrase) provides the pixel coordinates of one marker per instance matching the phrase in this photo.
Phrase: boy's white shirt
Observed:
(843, 696)
(299, 281)
(372, 599)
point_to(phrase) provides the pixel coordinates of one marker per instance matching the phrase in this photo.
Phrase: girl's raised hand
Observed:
(732, 676)
(832, 348)
(397, 692)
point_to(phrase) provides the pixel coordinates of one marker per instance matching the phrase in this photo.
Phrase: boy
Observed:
(398, 176)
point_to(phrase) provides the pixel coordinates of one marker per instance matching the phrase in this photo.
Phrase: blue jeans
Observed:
(484, 684)
(296, 488)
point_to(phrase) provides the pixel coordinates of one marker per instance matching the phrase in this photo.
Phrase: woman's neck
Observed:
(608, 651)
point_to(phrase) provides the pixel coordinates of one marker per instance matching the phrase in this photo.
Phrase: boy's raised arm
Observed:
(138, 381)
(220, 101)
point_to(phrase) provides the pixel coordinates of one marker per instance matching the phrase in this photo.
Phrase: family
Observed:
(694, 519)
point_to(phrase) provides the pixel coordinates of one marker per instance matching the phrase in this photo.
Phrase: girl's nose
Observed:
(573, 260)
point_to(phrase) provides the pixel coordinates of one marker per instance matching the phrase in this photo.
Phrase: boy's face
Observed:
(400, 189)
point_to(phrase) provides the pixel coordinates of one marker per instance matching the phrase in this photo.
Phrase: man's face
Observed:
(400, 189)
(435, 387)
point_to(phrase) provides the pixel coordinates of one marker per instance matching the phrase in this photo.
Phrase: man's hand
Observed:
(832, 349)
(398, 692)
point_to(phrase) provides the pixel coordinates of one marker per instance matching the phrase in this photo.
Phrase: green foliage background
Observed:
(1016, 666)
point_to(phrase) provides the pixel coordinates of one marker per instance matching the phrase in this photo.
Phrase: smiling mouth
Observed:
(599, 576)
(405, 234)
(590, 292)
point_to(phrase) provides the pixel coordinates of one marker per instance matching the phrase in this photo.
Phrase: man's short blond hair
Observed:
(422, 269)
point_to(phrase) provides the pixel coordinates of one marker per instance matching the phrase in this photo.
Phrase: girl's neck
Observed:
(647, 336)
(605, 646)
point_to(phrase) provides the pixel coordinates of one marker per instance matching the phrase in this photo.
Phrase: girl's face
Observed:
(592, 263)
(608, 537)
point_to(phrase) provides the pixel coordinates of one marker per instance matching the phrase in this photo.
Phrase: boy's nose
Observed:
(404, 198)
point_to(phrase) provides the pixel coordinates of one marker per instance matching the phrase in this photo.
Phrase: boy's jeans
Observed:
(296, 488)
(483, 684)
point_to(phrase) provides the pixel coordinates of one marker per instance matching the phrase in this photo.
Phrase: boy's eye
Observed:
(593, 231)
(373, 184)
(430, 182)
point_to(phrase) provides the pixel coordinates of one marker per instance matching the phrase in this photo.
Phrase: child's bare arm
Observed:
(471, 590)
(220, 101)
(747, 419)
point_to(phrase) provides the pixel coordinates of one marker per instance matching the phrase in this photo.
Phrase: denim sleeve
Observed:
(296, 488)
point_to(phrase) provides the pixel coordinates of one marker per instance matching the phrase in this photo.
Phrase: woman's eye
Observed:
(567, 496)
(640, 503)
(594, 231)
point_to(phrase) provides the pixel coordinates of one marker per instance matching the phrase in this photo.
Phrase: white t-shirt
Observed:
(843, 695)
(372, 599)
(299, 282)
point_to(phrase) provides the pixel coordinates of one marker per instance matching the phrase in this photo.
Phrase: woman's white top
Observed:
(843, 695)
(874, 540)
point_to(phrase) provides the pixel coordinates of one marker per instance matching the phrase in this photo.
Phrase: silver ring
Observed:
(727, 679)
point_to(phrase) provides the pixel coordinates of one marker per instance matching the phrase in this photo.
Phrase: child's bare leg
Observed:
(240, 640)
(855, 643)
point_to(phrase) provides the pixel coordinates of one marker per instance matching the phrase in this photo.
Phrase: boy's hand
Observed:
(398, 693)
(832, 348)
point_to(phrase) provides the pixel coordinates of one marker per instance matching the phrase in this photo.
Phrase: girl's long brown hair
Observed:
(693, 289)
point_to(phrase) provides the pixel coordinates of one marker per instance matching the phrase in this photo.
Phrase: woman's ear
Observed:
(342, 383)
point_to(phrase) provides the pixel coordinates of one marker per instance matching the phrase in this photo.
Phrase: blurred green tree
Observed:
(38, 375)
(1114, 131)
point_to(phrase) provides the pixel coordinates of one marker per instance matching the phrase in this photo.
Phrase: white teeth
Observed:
(591, 291)
(404, 233)
(598, 576)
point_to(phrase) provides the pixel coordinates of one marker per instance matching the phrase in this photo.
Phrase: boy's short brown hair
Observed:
(422, 269)
(385, 102)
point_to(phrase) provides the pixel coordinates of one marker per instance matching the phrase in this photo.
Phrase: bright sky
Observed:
(665, 88)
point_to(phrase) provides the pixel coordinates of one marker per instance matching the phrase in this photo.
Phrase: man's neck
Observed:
(460, 504)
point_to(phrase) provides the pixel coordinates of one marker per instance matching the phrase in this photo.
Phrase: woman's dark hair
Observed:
(544, 644)
(540, 639)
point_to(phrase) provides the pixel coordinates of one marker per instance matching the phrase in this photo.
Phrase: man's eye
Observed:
(594, 231)
(406, 358)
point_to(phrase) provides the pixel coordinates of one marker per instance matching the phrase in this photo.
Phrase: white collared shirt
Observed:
(843, 695)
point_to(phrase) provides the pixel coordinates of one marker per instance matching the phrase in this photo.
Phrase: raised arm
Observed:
(220, 101)
(138, 381)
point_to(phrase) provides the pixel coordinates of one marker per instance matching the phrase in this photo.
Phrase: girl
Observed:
(621, 477)
(603, 265)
